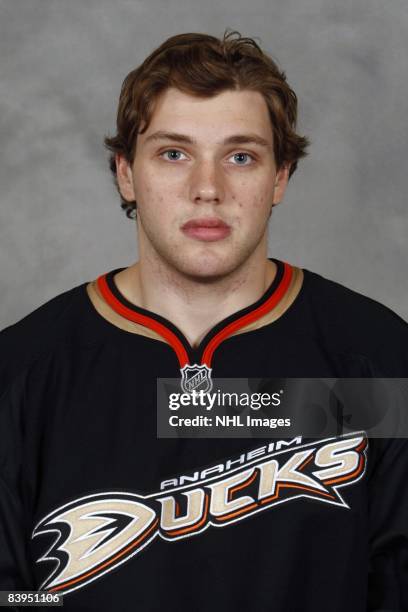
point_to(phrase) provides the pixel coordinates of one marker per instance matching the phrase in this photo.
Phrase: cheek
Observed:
(150, 195)
(254, 195)
(157, 208)
(263, 202)
(257, 205)
(153, 186)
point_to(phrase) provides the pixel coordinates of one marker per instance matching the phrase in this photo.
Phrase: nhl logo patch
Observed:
(196, 378)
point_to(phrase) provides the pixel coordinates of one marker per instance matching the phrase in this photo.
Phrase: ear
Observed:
(281, 181)
(124, 177)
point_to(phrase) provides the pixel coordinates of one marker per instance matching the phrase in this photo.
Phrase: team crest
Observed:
(196, 378)
(85, 538)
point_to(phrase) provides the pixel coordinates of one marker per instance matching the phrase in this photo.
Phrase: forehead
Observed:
(210, 118)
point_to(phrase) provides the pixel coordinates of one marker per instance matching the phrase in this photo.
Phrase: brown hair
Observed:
(203, 65)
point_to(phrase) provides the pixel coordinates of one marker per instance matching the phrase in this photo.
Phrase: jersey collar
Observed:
(245, 318)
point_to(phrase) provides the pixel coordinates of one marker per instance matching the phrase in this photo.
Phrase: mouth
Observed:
(207, 229)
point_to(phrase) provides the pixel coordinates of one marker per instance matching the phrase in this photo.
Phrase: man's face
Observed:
(204, 190)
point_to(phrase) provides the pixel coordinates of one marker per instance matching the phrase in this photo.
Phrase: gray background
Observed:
(61, 68)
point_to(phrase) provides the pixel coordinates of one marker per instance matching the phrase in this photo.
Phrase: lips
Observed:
(205, 222)
(207, 229)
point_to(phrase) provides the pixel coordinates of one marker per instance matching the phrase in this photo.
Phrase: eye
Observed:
(239, 157)
(173, 152)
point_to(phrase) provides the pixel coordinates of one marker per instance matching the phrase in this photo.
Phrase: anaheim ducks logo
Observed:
(96, 533)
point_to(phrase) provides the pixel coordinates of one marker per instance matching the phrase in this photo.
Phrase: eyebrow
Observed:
(234, 139)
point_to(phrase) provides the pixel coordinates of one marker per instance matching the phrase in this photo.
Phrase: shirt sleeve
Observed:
(15, 573)
(388, 524)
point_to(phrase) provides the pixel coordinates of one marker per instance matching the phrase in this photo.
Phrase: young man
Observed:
(93, 504)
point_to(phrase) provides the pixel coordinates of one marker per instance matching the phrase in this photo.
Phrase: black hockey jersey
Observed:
(82, 508)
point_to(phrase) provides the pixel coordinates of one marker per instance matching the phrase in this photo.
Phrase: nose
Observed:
(206, 183)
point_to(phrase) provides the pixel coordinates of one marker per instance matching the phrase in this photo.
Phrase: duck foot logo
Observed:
(196, 378)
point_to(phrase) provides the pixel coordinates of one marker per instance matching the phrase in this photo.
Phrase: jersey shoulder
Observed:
(357, 324)
(56, 321)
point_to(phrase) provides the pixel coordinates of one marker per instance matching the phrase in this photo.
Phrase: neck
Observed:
(194, 306)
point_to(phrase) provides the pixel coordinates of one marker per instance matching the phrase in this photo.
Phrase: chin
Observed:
(205, 266)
